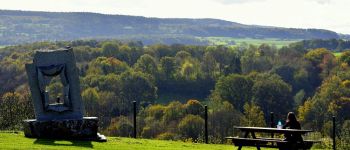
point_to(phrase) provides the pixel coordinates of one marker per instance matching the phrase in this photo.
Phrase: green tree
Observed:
(110, 49)
(147, 64)
(316, 55)
(253, 116)
(191, 126)
(168, 66)
(345, 57)
(272, 94)
(137, 86)
(209, 66)
(222, 118)
(235, 88)
(91, 98)
(194, 107)
(10, 111)
(120, 126)
(104, 65)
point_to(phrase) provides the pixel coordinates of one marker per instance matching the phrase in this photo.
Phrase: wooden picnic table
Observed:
(269, 141)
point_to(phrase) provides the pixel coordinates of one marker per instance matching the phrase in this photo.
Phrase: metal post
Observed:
(272, 122)
(206, 124)
(134, 102)
(334, 146)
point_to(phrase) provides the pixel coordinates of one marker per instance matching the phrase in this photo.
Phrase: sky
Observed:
(322, 14)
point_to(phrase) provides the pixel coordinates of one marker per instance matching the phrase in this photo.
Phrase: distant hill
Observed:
(28, 26)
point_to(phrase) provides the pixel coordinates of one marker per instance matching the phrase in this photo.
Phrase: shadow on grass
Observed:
(52, 142)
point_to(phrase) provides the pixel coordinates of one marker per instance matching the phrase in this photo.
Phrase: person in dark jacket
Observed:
(292, 123)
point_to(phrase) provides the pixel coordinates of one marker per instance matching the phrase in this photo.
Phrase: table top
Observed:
(272, 130)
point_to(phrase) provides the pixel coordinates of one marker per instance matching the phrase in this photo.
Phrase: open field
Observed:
(18, 141)
(238, 41)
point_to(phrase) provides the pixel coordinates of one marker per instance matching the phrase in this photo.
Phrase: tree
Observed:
(254, 60)
(316, 55)
(191, 126)
(168, 66)
(110, 49)
(104, 65)
(137, 86)
(91, 98)
(235, 88)
(253, 116)
(345, 57)
(209, 66)
(222, 118)
(194, 107)
(190, 70)
(120, 126)
(147, 64)
(11, 111)
(272, 94)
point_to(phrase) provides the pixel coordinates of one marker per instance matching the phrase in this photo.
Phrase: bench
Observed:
(270, 142)
(258, 142)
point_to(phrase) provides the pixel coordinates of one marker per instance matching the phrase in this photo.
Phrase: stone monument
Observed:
(58, 119)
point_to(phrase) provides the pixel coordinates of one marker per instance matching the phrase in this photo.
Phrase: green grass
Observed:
(18, 141)
(238, 41)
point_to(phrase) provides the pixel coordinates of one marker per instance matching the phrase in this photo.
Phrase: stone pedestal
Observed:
(70, 129)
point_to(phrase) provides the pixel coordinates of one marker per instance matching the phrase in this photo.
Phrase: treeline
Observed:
(241, 86)
(337, 45)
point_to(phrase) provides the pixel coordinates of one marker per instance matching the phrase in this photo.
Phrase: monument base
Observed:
(70, 129)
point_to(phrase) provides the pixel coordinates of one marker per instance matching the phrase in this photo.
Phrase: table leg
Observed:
(245, 136)
(254, 137)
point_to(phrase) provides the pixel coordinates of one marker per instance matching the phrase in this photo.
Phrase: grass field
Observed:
(18, 141)
(238, 41)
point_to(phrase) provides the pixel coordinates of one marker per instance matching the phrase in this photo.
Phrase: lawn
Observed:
(18, 141)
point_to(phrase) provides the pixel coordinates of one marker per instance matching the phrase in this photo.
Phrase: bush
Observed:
(191, 126)
(167, 136)
(194, 107)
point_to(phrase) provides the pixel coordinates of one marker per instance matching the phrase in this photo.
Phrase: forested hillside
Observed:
(331, 44)
(241, 86)
(17, 27)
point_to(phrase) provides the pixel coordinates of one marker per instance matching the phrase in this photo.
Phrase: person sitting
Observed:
(292, 123)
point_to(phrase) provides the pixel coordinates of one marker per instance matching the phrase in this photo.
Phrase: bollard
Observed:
(134, 102)
(334, 146)
(206, 124)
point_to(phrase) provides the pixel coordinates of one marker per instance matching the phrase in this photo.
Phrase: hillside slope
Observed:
(28, 26)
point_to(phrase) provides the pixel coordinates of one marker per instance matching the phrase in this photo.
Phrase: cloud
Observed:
(237, 1)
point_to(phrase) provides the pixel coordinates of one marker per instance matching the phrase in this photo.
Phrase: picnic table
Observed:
(270, 141)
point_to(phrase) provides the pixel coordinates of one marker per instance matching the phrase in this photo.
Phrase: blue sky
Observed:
(325, 14)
